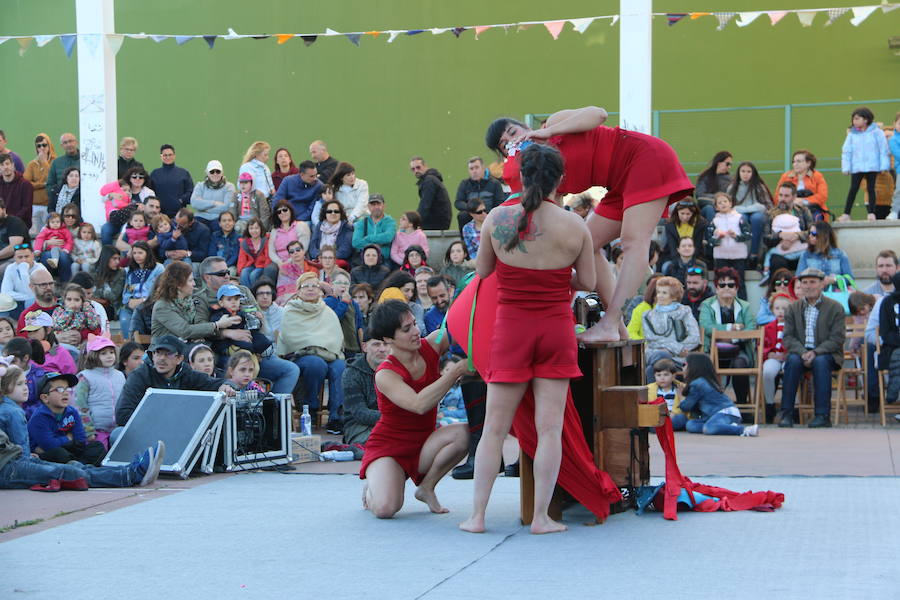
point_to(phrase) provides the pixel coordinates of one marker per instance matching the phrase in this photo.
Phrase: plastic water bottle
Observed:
(305, 421)
(337, 455)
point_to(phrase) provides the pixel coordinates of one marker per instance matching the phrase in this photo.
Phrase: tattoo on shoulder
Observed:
(506, 228)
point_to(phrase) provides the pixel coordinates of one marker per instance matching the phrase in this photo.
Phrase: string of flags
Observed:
(858, 14)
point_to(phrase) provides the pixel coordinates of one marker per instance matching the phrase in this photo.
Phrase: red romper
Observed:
(633, 167)
(400, 433)
(534, 334)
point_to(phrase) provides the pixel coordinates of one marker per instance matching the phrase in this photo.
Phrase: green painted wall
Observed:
(379, 104)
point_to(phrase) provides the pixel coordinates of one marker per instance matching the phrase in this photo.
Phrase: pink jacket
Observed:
(117, 203)
(62, 234)
(402, 241)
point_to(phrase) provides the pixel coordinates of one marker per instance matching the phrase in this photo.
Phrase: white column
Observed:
(635, 64)
(96, 104)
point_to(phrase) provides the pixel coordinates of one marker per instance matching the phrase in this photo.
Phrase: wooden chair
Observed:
(755, 399)
(855, 364)
(882, 375)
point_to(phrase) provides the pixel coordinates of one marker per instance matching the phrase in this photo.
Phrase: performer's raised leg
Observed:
(549, 408)
(443, 451)
(385, 481)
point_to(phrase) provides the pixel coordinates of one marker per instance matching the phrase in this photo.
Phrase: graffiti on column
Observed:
(93, 153)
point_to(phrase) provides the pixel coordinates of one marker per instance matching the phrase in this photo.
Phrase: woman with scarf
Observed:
(333, 229)
(36, 173)
(67, 192)
(175, 309)
(212, 196)
(289, 272)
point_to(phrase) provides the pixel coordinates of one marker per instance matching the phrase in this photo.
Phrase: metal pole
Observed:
(788, 110)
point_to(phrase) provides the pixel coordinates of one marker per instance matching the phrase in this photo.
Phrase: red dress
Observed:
(633, 167)
(400, 433)
(534, 335)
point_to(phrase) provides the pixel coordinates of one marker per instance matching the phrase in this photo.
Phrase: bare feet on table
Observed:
(546, 525)
(430, 498)
(602, 331)
(473, 524)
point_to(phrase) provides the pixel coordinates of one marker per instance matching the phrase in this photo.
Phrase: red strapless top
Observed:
(516, 285)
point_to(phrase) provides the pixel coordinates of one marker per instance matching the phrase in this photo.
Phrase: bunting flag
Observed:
(68, 43)
(261, 37)
(392, 35)
(745, 18)
(92, 41)
(5, 38)
(232, 35)
(159, 38)
(776, 15)
(458, 30)
(673, 18)
(835, 13)
(439, 30)
(697, 15)
(309, 40)
(479, 29)
(115, 42)
(415, 31)
(181, 40)
(724, 18)
(24, 44)
(210, 40)
(520, 27)
(43, 40)
(614, 20)
(861, 13)
(374, 33)
(354, 38)
(806, 17)
(284, 37)
(555, 27)
(581, 25)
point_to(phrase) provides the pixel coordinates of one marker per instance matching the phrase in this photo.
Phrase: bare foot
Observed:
(430, 498)
(365, 497)
(843, 218)
(473, 524)
(602, 331)
(546, 525)
(871, 216)
(623, 331)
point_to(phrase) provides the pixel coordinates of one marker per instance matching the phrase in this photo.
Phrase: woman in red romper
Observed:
(642, 175)
(532, 246)
(405, 442)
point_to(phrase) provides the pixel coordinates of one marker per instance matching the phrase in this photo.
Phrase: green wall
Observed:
(379, 104)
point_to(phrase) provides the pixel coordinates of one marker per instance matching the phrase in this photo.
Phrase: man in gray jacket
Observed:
(360, 404)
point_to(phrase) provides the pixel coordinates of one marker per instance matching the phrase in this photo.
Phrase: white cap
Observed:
(214, 164)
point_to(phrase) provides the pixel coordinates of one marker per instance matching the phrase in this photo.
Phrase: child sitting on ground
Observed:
(703, 394)
(14, 390)
(202, 359)
(242, 369)
(229, 303)
(53, 230)
(665, 389)
(774, 352)
(168, 238)
(99, 386)
(76, 313)
(452, 408)
(20, 351)
(55, 428)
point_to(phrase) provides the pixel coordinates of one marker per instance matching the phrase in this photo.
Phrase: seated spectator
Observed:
(302, 191)
(726, 312)
(98, 388)
(71, 216)
(665, 388)
(169, 239)
(196, 234)
(250, 203)
(166, 370)
(441, 293)
(452, 407)
(712, 180)
(581, 204)
(311, 336)
(212, 196)
(404, 282)
(727, 233)
(17, 278)
(413, 258)
(457, 262)
(752, 199)
(889, 329)
(174, 310)
(55, 429)
(131, 356)
(242, 369)
(67, 192)
(780, 283)
(885, 268)
(358, 382)
(333, 229)
(364, 296)
(39, 327)
(264, 293)
(86, 250)
(116, 196)
(786, 205)
(284, 166)
(202, 359)
(109, 280)
(422, 275)
(13, 232)
(137, 230)
(409, 232)
(253, 255)
(140, 276)
(669, 327)
(289, 272)
(685, 260)
(19, 352)
(471, 231)
(337, 297)
(635, 311)
(685, 221)
(704, 394)
(229, 299)
(76, 313)
(822, 253)
(224, 241)
(790, 246)
(351, 191)
(13, 395)
(774, 351)
(7, 330)
(814, 335)
(810, 185)
(328, 266)
(375, 228)
(53, 246)
(286, 230)
(371, 271)
(860, 305)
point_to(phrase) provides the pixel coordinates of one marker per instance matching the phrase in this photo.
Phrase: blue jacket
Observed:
(48, 430)
(32, 377)
(173, 186)
(894, 145)
(225, 246)
(344, 249)
(13, 422)
(703, 397)
(197, 241)
(836, 263)
(865, 151)
(167, 242)
(300, 194)
(139, 282)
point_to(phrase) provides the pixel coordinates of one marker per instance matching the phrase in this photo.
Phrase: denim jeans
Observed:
(822, 366)
(27, 471)
(707, 211)
(718, 424)
(249, 276)
(679, 421)
(282, 373)
(757, 224)
(108, 233)
(314, 370)
(63, 270)
(125, 315)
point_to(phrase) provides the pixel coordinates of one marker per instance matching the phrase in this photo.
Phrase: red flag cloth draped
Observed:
(578, 475)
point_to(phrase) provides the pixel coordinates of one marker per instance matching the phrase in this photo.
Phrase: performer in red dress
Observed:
(404, 443)
(641, 173)
(532, 247)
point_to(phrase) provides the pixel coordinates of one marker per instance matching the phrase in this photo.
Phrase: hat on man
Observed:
(245, 176)
(167, 342)
(229, 289)
(811, 272)
(214, 165)
(7, 303)
(49, 378)
(376, 199)
(37, 319)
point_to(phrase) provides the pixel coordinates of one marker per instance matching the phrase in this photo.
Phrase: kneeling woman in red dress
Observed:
(532, 246)
(404, 443)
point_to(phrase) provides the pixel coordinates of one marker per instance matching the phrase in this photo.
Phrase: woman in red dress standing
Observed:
(532, 246)
(404, 443)
(641, 173)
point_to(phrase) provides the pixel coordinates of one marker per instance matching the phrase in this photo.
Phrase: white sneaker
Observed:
(750, 431)
(897, 417)
(891, 217)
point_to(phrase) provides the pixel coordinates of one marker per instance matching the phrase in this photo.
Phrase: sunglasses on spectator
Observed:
(295, 250)
(138, 177)
(812, 232)
(782, 281)
(283, 210)
(728, 164)
(216, 171)
(332, 211)
(70, 216)
(479, 211)
(222, 273)
(728, 284)
(695, 271)
(22, 247)
(42, 145)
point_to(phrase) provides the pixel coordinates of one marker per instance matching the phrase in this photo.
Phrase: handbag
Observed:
(840, 291)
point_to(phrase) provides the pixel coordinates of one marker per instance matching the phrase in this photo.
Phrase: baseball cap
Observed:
(37, 319)
(228, 290)
(245, 177)
(167, 342)
(98, 342)
(47, 379)
(214, 164)
(376, 198)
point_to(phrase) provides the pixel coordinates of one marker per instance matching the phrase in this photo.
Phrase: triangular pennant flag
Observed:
(861, 13)
(260, 37)
(115, 42)
(697, 15)
(520, 27)
(330, 31)
(392, 35)
(479, 29)
(415, 31)
(581, 25)
(309, 40)
(834, 14)
(724, 18)
(68, 43)
(439, 30)
(615, 20)
(374, 33)
(776, 15)
(210, 40)
(745, 18)
(43, 40)
(284, 37)
(159, 38)
(24, 43)
(554, 27)
(354, 38)
(806, 17)
(232, 35)
(673, 18)
(181, 40)
(886, 8)
(458, 30)
(92, 40)
(5, 38)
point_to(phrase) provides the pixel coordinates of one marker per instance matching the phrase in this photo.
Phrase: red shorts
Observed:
(642, 168)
